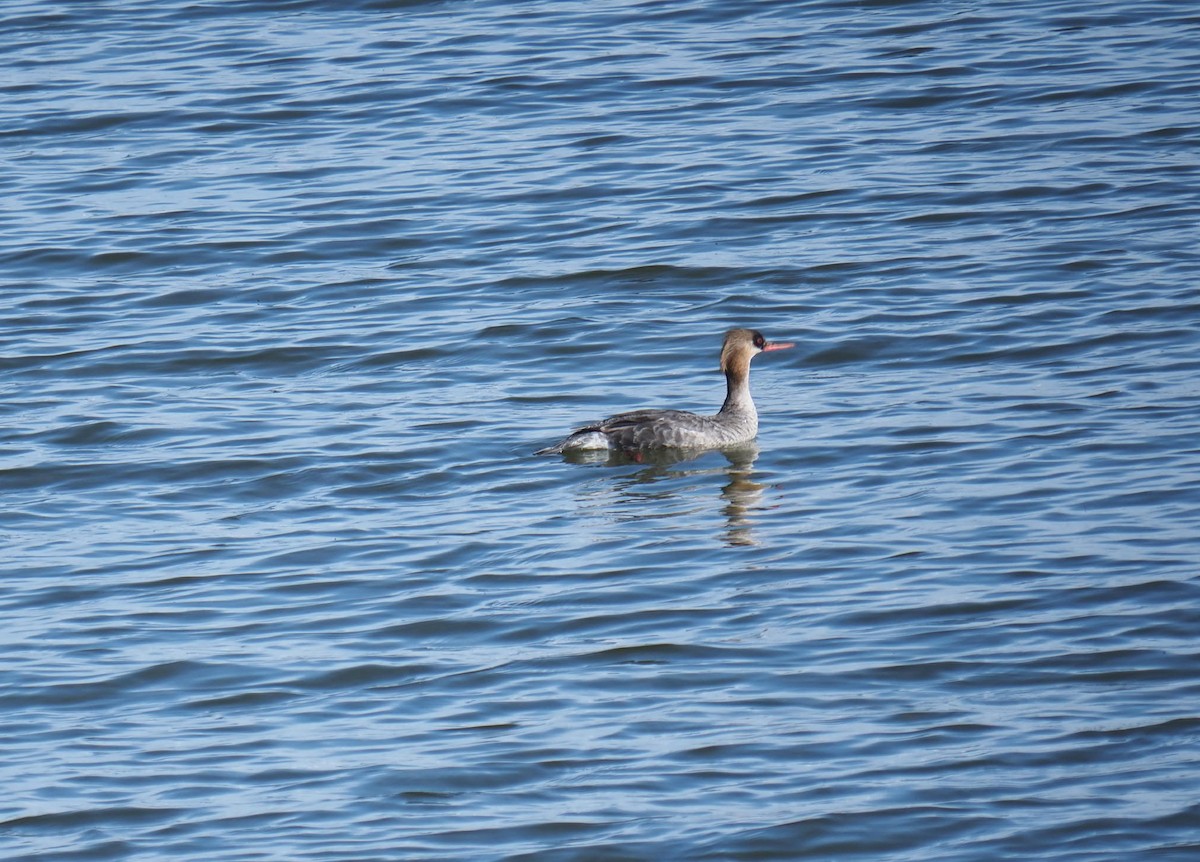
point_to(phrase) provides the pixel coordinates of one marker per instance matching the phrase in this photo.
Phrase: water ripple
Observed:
(296, 288)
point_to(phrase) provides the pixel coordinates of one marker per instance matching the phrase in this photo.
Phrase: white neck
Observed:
(737, 392)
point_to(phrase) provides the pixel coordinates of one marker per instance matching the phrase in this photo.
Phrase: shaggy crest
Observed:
(736, 339)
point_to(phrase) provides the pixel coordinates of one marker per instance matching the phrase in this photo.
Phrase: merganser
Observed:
(736, 422)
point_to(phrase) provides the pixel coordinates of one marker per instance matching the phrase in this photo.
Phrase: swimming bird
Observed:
(736, 422)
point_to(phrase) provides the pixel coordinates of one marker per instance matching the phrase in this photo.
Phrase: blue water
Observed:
(291, 291)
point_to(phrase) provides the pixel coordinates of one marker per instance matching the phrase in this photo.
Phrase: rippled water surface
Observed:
(293, 290)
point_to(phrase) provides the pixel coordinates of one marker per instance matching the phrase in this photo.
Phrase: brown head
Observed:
(742, 345)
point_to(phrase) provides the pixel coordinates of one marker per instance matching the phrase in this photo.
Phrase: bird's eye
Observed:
(759, 341)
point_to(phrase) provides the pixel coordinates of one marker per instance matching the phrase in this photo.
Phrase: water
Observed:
(293, 290)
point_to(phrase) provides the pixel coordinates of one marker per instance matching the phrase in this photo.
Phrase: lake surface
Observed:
(293, 290)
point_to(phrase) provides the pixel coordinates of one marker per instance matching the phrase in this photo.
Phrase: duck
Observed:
(645, 430)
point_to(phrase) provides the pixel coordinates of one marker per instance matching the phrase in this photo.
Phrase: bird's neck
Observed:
(737, 389)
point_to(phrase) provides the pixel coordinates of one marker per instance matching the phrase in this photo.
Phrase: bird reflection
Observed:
(740, 494)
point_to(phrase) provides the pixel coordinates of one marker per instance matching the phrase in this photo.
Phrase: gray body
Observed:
(663, 429)
(638, 430)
